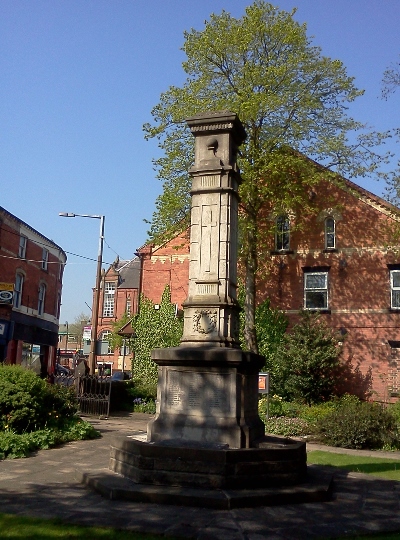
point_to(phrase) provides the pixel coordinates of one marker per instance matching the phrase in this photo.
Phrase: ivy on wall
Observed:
(156, 326)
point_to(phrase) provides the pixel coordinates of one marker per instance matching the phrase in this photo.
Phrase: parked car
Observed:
(62, 370)
(120, 376)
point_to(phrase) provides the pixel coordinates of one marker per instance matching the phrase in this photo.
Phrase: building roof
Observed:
(20, 222)
(129, 273)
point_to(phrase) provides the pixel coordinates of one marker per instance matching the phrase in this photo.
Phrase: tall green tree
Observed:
(391, 83)
(292, 101)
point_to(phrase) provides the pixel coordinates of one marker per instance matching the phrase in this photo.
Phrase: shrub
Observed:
(277, 407)
(28, 403)
(314, 413)
(141, 399)
(14, 445)
(309, 360)
(394, 410)
(355, 424)
(288, 427)
(141, 405)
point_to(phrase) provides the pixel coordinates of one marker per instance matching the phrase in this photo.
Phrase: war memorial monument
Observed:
(206, 445)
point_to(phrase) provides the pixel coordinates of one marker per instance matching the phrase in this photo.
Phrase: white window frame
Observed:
(109, 298)
(18, 287)
(395, 289)
(330, 234)
(45, 259)
(282, 224)
(23, 241)
(103, 337)
(41, 298)
(309, 290)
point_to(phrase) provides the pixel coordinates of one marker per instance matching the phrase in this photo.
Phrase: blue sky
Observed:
(80, 77)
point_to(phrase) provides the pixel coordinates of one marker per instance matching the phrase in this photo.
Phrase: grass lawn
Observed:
(24, 528)
(388, 469)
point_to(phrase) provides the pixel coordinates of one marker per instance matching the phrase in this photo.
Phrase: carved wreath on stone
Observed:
(205, 321)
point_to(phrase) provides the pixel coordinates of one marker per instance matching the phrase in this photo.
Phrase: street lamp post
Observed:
(96, 302)
(66, 342)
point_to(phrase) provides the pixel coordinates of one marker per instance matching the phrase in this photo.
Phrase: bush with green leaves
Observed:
(35, 414)
(137, 398)
(356, 424)
(271, 325)
(314, 413)
(14, 445)
(277, 407)
(309, 361)
(287, 427)
(154, 328)
(28, 403)
(394, 409)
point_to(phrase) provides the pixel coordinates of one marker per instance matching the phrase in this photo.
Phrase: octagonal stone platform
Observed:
(211, 476)
(276, 462)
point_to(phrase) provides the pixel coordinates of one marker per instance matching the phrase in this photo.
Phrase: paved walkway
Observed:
(44, 485)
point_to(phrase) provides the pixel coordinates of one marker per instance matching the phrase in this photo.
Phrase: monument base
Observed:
(186, 473)
(207, 394)
(277, 462)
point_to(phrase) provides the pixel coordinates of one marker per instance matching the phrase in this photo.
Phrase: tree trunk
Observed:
(250, 334)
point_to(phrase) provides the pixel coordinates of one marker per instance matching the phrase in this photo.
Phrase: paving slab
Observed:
(44, 485)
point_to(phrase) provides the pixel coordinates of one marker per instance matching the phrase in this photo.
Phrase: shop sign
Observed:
(87, 333)
(6, 293)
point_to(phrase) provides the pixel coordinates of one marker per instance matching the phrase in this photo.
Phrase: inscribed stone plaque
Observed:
(198, 391)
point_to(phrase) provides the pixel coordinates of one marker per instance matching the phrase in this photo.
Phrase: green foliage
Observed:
(271, 325)
(314, 413)
(133, 396)
(35, 414)
(141, 405)
(277, 407)
(18, 445)
(394, 409)
(308, 363)
(346, 422)
(287, 427)
(154, 328)
(28, 403)
(391, 79)
(356, 424)
(116, 340)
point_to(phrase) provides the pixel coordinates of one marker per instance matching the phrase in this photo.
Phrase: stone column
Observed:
(211, 309)
(208, 387)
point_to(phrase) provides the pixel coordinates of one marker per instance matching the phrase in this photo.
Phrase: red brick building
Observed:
(167, 264)
(119, 296)
(339, 261)
(342, 263)
(31, 268)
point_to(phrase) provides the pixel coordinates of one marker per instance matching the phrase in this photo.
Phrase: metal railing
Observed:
(92, 392)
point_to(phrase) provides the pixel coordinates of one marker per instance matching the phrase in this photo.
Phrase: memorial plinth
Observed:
(208, 395)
